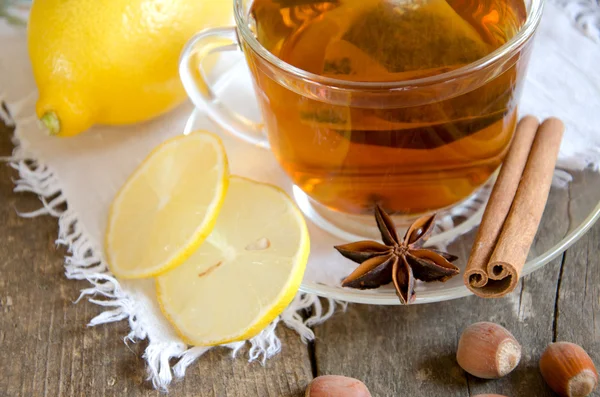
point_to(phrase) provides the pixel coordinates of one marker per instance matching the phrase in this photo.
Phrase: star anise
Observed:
(397, 261)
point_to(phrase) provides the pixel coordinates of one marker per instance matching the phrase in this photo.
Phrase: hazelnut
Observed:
(336, 386)
(488, 350)
(568, 370)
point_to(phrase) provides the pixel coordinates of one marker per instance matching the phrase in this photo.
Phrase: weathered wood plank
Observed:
(48, 351)
(410, 350)
(578, 309)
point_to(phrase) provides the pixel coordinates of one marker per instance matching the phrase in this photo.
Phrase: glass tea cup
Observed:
(414, 145)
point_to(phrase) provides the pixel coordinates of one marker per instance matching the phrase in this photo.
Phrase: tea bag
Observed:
(385, 40)
(405, 36)
(415, 40)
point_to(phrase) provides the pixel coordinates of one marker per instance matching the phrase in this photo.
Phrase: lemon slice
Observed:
(167, 207)
(246, 272)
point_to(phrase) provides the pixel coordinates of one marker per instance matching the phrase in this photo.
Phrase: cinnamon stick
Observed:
(514, 210)
(499, 203)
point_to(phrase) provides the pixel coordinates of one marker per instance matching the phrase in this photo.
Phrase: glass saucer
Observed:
(570, 212)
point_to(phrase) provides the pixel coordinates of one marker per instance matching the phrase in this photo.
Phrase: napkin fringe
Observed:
(83, 262)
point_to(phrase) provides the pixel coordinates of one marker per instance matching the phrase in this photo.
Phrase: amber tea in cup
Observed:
(409, 159)
(407, 104)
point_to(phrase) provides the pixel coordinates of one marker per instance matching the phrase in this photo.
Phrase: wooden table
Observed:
(397, 351)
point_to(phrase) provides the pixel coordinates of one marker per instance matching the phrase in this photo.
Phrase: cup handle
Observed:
(196, 85)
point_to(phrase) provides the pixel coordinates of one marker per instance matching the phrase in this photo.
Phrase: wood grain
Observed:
(48, 351)
(411, 350)
(578, 314)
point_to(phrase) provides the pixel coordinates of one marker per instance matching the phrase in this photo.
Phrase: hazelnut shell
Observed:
(568, 370)
(336, 386)
(488, 351)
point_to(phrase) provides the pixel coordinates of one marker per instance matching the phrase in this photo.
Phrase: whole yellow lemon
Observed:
(112, 61)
